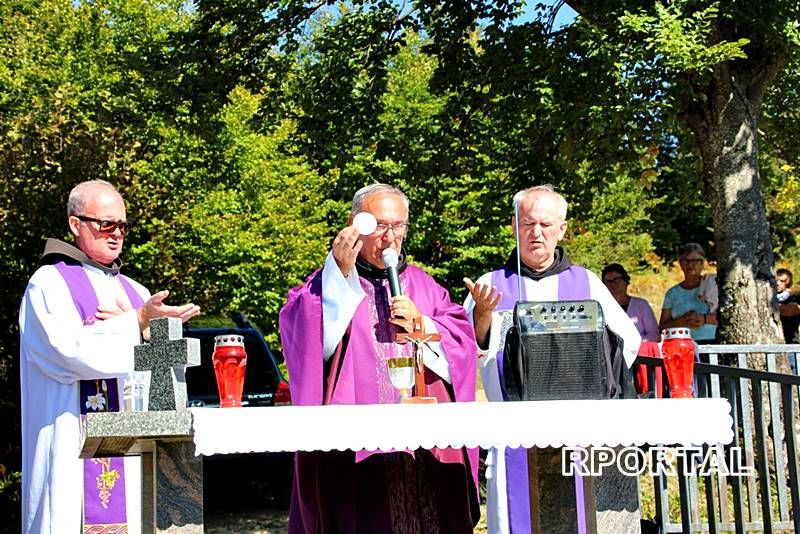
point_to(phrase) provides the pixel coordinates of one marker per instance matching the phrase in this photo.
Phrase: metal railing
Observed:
(764, 408)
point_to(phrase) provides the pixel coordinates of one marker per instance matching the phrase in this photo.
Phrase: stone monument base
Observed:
(610, 501)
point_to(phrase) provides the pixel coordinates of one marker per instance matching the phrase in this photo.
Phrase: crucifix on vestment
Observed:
(419, 338)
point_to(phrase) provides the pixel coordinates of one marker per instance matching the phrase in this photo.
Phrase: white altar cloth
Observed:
(472, 424)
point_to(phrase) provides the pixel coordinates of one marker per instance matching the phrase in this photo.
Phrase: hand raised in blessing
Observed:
(486, 297)
(346, 247)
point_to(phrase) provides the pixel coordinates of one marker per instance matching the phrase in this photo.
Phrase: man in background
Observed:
(788, 305)
(79, 321)
(789, 309)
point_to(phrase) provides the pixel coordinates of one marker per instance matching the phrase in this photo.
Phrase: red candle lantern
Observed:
(678, 352)
(230, 360)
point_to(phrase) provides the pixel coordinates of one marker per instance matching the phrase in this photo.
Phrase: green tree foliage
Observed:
(238, 130)
(253, 233)
(616, 226)
(455, 227)
(717, 62)
(658, 71)
(76, 79)
(781, 160)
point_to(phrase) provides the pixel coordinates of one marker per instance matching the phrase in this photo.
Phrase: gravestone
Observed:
(166, 357)
(172, 476)
(604, 504)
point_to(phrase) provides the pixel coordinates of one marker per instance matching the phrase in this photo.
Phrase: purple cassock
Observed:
(410, 491)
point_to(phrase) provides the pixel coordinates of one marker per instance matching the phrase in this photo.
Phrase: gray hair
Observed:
(688, 248)
(364, 193)
(545, 188)
(76, 203)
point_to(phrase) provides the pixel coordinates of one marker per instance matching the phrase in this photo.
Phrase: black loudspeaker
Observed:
(556, 351)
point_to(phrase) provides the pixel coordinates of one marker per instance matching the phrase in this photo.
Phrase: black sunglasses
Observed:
(107, 227)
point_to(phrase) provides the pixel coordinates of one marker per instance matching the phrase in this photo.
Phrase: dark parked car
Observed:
(264, 384)
(260, 480)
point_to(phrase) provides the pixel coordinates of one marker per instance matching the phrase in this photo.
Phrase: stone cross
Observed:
(166, 357)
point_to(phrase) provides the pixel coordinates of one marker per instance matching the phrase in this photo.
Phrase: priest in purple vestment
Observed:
(338, 331)
(547, 275)
(79, 321)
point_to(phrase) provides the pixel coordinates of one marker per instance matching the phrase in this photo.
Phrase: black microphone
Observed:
(390, 259)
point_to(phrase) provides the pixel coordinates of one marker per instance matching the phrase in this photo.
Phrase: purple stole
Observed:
(103, 478)
(573, 284)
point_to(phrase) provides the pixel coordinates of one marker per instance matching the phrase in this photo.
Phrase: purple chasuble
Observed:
(357, 374)
(573, 284)
(103, 478)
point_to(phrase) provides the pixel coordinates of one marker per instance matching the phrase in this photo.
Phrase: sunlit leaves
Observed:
(684, 39)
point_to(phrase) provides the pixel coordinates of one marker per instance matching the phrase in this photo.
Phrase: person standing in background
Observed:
(617, 280)
(789, 309)
(788, 306)
(693, 302)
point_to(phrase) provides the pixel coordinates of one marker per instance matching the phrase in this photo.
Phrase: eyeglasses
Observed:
(399, 229)
(609, 281)
(107, 227)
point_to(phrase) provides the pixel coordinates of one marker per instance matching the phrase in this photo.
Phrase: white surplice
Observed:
(545, 289)
(56, 352)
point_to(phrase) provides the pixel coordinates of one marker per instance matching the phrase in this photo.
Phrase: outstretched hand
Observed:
(155, 308)
(486, 299)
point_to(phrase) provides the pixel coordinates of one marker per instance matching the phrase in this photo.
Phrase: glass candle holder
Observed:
(230, 361)
(678, 352)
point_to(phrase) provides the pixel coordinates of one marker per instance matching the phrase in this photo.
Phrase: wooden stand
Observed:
(418, 337)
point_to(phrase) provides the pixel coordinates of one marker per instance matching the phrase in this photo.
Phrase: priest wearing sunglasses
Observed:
(79, 321)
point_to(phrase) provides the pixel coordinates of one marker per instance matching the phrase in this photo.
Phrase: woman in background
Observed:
(692, 303)
(616, 279)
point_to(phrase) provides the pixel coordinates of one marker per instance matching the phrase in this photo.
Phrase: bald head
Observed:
(76, 203)
(96, 217)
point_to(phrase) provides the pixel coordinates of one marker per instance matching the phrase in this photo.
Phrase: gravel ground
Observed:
(247, 522)
(269, 522)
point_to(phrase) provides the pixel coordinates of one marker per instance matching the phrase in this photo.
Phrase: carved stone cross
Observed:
(419, 337)
(166, 357)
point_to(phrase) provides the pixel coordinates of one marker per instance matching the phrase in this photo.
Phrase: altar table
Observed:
(472, 424)
(172, 443)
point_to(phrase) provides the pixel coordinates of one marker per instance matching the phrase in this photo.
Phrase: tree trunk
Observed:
(726, 128)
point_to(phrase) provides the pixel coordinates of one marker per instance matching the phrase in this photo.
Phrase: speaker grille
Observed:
(564, 366)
